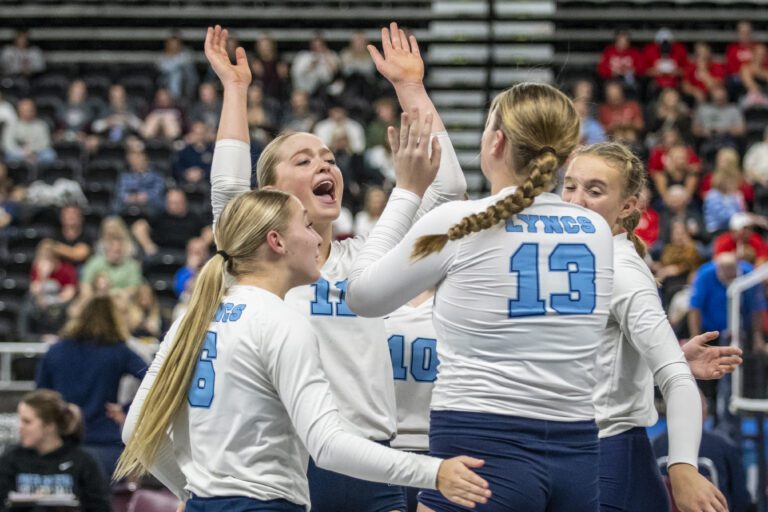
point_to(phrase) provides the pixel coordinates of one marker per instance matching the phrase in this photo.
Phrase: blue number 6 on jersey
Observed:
(201, 388)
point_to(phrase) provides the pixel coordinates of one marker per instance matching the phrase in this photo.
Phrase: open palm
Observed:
(401, 62)
(216, 53)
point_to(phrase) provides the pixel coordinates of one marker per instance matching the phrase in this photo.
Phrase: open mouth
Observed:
(326, 191)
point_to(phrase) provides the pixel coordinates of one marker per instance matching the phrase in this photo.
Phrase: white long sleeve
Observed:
(230, 173)
(449, 184)
(165, 467)
(640, 347)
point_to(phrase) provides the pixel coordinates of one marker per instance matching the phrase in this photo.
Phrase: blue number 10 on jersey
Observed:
(575, 259)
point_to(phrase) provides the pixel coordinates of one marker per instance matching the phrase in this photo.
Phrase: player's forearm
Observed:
(233, 123)
(683, 413)
(414, 96)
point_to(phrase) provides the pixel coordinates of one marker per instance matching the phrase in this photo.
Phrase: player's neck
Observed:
(326, 232)
(501, 180)
(274, 282)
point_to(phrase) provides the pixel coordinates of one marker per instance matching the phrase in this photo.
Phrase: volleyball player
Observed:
(523, 288)
(352, 349)
(413, 350)
(638, 347)
(238, 385)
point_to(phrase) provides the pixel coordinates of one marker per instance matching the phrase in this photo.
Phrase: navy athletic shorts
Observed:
(530, 465)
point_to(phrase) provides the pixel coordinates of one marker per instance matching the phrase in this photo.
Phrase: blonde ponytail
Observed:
(541, 127)
(241, 229)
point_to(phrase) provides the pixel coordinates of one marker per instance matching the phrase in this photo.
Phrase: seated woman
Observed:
(48, 460)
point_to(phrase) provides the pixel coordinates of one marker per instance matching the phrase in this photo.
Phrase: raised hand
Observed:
(457, 482)
(238, 74)
(415, 168)
(402, 61)
(710, 362)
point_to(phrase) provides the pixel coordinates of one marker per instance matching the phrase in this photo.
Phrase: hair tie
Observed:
(546, 149)
(223, 254)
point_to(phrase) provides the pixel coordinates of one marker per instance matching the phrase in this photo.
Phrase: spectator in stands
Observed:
(267, 68)
(621, 61)
(724, 200)
(670, 112)
(726, 157)
(618, 112)
(702, 73)
(165, 120)
(262, 115)
(380, 162)
(86, 367)
(53, 285)
(386, 116)
(10, 210)
(314, 69)
(679, 209)
(677, 171)
(741, 240)
(665, 61)
(74, 117)
(352, 168)
(197, 255)
(48, 460)
(207, 108)
(298, 116)
(112, 268)
(648, 227)
(756, 173)
(177, 69)
(709, 312)
(737, 54)
(584, 90)
(591, 130)
(338, 122)
(192, 163)
(172, 228)
(7, 114)
(754, 77)
(725, 455)
(72, 243)
(718, 123)
(140, 189)
(119, 120)
(357, 68)
(29, 138)
(144, 320)
(21, 59)
(678, 259)
(670, 137)
(375, 201)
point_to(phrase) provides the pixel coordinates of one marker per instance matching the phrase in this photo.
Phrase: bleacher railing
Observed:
(7, 351)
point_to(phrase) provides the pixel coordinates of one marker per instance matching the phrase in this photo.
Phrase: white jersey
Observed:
(352, 349)
(637, 345)
(413, 349)
(257, 398)
(519, 307)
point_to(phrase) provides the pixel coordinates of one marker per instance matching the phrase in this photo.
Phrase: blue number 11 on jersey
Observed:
(575, 259)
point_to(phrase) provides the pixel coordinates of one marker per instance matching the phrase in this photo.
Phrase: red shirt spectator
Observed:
(620, 59)
(63, 273)
(665, 59)
(702, 72)
(617, 112)
(741, 240)
(648, 228)
(740, 52)
(656, 159)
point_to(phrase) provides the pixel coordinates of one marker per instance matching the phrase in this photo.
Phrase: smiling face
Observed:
(307, 169)
(593, 183)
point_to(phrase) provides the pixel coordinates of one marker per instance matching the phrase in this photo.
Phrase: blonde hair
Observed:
(541, 127)
(632, 170)
(729, 173)
(270, 157)
(241, 230)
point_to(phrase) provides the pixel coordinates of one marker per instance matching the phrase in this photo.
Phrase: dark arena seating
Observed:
(473, 49)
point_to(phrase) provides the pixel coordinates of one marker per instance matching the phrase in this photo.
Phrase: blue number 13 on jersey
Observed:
(576, 259)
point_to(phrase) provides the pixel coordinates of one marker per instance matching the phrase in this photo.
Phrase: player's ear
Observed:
(276, 242)
(628, 208)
